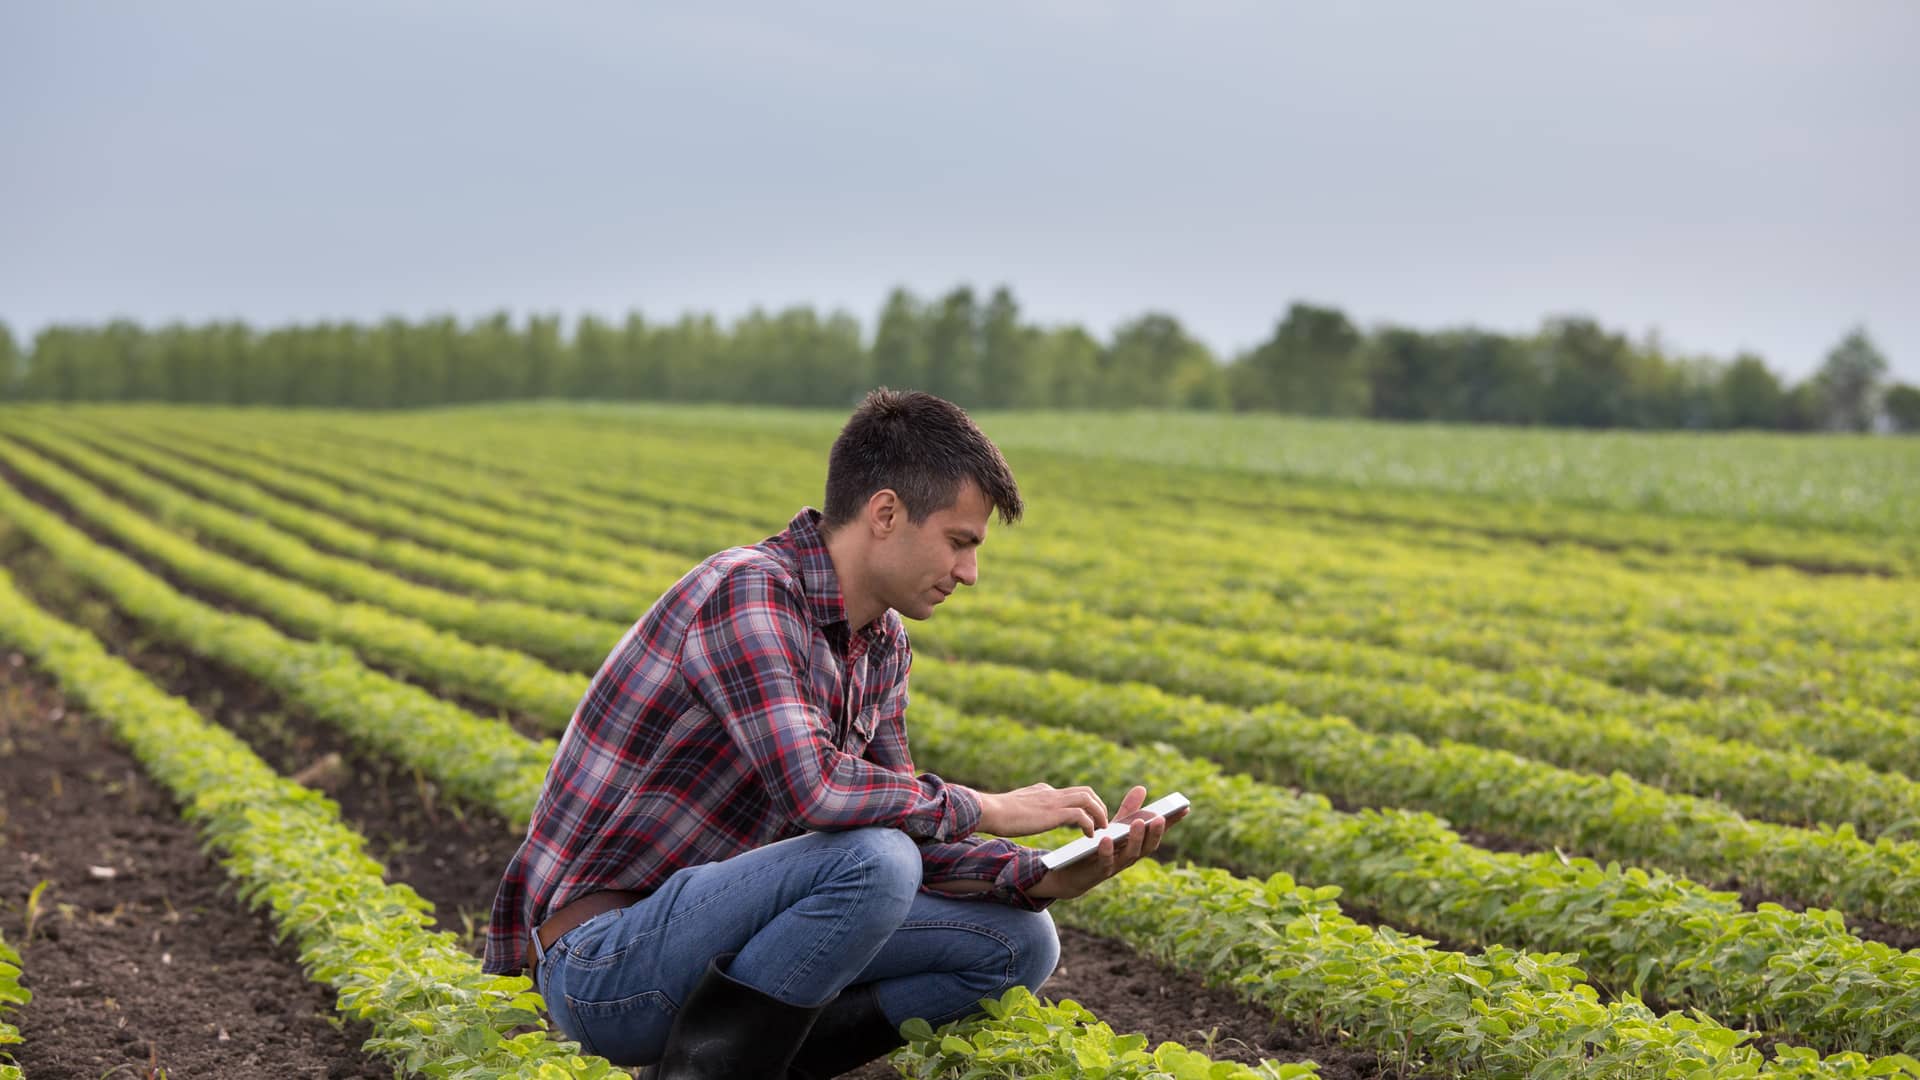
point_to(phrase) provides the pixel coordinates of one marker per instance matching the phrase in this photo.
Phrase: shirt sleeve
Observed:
(745, 659)
(1011, 867)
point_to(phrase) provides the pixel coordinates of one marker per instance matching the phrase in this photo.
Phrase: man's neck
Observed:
(847, 554)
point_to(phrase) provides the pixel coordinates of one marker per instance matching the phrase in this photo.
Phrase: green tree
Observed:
(1005, 378)
(1498, 379)
(1750, 394)
(547, 358)
(1153, 363)
(953, 348)
(13, 365)
(1801, 409)
(643, 371)
(900, 356)
(1312, 365)
(1065, 362)
(488, 361)
(596, 371)
(1902, 403)
(695, 351)
(1589, 374)
(1849, 383)
(1411, 376)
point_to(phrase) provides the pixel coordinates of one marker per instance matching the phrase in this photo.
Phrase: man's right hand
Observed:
(1143, 838)
(1039, 807)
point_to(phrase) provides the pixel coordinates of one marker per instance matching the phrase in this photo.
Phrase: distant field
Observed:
(1835, 481)
(1597, 717)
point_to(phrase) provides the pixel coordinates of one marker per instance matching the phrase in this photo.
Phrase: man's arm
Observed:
(745, 659)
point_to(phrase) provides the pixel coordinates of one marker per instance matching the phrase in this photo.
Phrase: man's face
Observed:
(921, 564)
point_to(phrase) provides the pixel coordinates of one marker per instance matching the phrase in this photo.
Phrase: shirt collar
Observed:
(825, 600)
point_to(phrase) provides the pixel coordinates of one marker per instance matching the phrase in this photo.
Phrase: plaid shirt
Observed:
(741, 710)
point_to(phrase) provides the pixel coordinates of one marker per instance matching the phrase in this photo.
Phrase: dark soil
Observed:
(140, 958)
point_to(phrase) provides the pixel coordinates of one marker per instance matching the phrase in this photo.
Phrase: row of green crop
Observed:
(1877, 737)
(440, 658)
(597, 531)
(1018, 1035)
(400, 519)
(482, 761)
(1497, 1013)
(1608, 817)
(1466, 893)
(432, 1011)
(323, 514)
(1826, 867)
(13, 997)
(542, 631)
(1787, 671)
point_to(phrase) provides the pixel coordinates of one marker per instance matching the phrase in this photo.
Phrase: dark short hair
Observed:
(922, 447)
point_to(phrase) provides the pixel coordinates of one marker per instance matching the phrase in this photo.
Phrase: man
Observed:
(732, 869)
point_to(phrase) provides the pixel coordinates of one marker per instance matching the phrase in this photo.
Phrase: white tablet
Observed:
(1073, 851)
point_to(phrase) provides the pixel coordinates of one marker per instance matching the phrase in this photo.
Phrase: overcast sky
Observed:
(1736, 175)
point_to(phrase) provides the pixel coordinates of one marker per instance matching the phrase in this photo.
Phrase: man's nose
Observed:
(967, 569)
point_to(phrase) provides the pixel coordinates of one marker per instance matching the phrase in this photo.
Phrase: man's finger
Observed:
(1094, 807)
(1156, 829)
(1136, 798)
(1086, 823)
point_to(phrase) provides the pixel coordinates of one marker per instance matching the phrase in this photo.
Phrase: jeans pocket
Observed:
(626, 1031)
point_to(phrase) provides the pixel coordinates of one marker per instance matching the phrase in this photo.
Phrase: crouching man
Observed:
(732, 869)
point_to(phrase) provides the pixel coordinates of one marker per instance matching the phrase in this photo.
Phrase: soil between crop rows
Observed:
(140, 957)
(454, 858)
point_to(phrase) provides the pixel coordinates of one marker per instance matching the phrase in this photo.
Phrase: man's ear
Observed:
(885, 513)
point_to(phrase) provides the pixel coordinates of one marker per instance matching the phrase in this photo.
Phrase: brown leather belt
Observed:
(577, 912)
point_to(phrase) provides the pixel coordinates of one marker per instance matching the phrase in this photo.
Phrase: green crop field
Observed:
(1513, 753)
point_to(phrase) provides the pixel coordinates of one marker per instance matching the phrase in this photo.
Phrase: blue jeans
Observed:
(807, 916)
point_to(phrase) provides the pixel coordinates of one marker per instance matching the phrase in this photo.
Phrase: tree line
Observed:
(981, 353)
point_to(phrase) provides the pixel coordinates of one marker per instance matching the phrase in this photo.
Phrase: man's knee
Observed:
(888, 858)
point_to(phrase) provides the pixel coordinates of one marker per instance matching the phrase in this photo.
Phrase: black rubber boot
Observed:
(727, 1030)
(850, 1032)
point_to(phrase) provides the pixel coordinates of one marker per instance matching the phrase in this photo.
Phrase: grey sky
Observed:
(1738, 175)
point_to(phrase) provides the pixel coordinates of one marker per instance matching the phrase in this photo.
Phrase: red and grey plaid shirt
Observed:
(738, 711)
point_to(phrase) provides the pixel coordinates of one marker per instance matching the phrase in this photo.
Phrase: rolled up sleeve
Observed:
(1011, 868)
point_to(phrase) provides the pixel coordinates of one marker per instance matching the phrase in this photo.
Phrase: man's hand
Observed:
(1143, 838)
(1039, 807)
